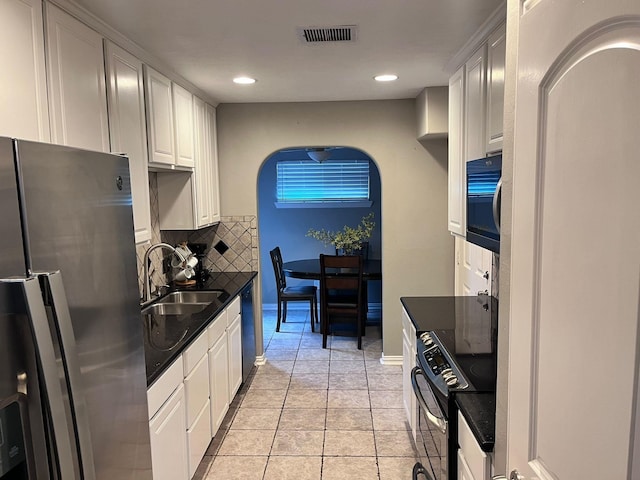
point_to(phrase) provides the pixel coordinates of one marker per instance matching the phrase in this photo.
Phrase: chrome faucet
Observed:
(146, 289)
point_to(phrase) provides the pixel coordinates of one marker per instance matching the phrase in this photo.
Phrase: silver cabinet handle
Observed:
(54, 289)
(33, 307)
(438, 422)
(496, 199)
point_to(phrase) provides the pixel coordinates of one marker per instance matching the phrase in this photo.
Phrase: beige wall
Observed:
(417, 249)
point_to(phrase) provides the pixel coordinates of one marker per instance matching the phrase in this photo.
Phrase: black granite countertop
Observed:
(166, 337)
(479, 410)
(439, 313)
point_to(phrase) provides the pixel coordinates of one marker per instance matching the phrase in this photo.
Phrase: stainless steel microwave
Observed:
(484, 182)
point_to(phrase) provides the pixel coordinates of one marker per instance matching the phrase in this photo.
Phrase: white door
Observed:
(575, 246)
(473, 268)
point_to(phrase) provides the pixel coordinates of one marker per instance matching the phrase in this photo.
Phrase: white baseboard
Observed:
(260, 360)
(395, 360)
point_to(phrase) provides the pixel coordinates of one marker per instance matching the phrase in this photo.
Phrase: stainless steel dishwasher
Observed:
(248, 332)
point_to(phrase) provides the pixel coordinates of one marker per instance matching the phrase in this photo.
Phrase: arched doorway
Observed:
(287, 226)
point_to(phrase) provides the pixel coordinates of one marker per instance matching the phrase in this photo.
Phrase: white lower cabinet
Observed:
(218, 372)
(196, 385)
(189, 401)
(199, 437)
(408, 362)
(473, 462)
(168, 440)
(234, 343)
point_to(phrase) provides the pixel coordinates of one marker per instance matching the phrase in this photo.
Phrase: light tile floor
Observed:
(312, 413)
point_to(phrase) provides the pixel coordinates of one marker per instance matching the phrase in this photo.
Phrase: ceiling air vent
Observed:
(336, 33)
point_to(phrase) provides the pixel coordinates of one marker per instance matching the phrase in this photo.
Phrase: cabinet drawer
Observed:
(164, 386)
(476, 459)
(196, 386)
(198, 438)
(217, 328)
(194, 352)
(233, 310)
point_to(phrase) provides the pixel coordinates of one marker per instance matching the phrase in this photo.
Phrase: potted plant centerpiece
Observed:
(348, 240)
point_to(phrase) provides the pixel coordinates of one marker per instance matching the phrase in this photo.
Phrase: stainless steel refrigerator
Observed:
(73, 401)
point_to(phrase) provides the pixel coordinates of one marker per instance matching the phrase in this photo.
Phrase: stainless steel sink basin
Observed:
(205, 297)
(175, 308)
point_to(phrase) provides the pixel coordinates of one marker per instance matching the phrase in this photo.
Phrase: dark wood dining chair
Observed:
(302, 293)
(341, 293)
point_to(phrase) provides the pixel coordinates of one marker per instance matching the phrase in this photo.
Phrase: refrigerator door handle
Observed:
(37, 315)
(53, 287)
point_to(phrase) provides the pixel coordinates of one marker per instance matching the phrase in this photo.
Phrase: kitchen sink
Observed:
(192, 297)
(175, 308)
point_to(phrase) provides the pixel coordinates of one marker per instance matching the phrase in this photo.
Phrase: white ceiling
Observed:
(208, 42)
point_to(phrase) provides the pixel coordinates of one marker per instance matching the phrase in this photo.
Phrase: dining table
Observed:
(309, 269)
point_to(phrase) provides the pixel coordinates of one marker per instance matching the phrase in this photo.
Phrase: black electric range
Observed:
(456, 354)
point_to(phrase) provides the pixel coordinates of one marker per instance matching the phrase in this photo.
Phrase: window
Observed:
(331, 182)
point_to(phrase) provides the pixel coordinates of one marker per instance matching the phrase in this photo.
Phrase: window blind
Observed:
(329, 181)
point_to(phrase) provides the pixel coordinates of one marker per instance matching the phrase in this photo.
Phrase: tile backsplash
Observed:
(232, 245)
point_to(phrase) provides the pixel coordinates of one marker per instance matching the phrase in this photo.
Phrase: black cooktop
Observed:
(467, 328)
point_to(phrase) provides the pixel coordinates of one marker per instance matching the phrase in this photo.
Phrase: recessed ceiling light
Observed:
(244, 80)
(385, 78)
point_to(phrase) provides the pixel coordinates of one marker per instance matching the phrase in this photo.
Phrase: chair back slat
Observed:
(341, 291)
(276, 261)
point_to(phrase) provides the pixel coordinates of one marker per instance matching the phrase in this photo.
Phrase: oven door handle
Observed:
(438, 422)
(418, 469)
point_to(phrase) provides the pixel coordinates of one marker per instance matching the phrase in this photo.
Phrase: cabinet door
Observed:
(214, 182)
(219, 382)
(203, 165)
(183, 115)
(169, 440)
(23, 105)
(234, 340)
(457, 170)
(496, 48)
(473, 268)
(159, 102)
(199, 438)
(76, 77)
(464, 472)
(474, 104)
(125, 94)
(408, 362)
(196, 389)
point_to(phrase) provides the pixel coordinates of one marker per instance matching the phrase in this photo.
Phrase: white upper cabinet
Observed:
(160, 121)
(456, 205)
(78, 100)
(474, 104)
(212, 149)
(190, 200)
(431, 113)
(128, 130)
(496, 48)
(183, 115)
(203, 164)
(24, 111)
